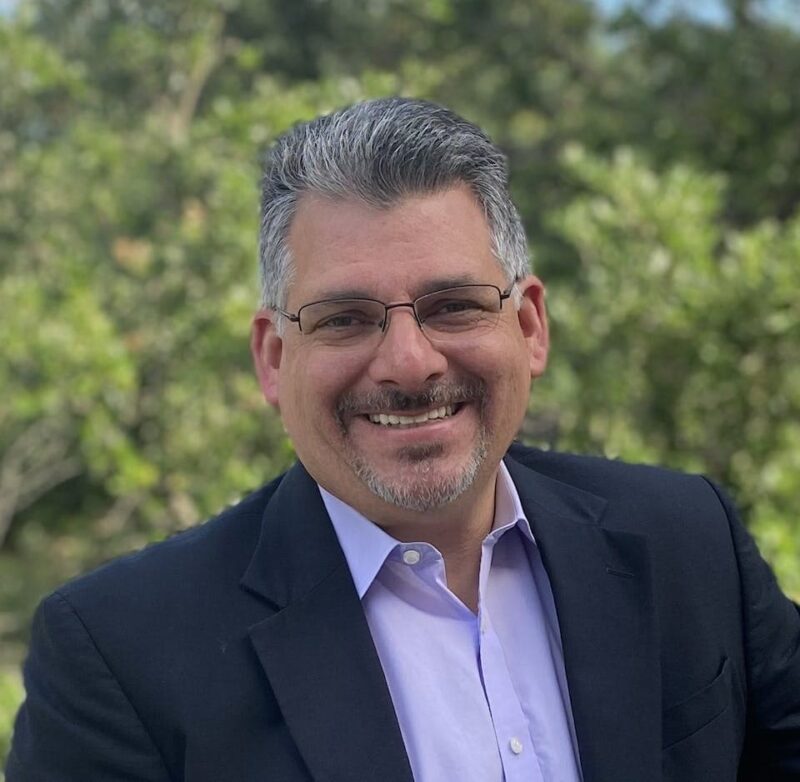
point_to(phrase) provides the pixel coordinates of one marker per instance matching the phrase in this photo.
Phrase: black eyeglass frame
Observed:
(295, 318)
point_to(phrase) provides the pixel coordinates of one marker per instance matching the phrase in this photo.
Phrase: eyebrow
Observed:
(447, 282)
(431, 286)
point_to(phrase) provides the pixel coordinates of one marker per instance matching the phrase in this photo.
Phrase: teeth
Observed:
(408, 420)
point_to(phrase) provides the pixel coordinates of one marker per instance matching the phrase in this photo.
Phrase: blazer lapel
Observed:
(601, 586)
(316, 650)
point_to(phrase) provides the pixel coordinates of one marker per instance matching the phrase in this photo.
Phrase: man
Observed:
(413, 600)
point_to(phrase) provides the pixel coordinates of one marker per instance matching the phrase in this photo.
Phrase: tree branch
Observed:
(181, 117)
(34, 463)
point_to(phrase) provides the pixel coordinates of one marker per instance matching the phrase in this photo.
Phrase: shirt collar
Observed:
(366, 546)
(508, 510)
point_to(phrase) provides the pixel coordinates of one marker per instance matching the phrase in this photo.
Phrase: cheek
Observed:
(509, 381)
(313, 384)
(505, 363)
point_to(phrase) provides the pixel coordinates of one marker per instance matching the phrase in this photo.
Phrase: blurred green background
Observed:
(655, 156)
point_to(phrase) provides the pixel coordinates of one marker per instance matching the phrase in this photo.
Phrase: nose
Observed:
(405, 356)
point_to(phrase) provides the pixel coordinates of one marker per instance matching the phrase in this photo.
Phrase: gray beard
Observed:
(423, 491)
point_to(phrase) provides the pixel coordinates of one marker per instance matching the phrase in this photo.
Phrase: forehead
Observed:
(344, 247)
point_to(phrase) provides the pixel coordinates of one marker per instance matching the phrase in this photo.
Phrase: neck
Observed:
(457, 531)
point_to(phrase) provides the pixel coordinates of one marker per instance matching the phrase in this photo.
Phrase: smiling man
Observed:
(417, 598)
(391, 410)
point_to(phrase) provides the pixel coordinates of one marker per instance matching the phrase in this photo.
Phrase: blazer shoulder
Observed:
(218, 548)
(605, 476)
(673, 508)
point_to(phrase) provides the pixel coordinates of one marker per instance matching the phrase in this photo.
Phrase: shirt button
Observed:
(411, 556)
(516, 745)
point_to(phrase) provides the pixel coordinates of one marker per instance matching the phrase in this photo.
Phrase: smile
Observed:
(412, 420)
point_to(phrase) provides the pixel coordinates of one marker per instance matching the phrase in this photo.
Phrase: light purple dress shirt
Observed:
(478, 698)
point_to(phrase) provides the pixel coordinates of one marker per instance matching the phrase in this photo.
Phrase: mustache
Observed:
(435, 395)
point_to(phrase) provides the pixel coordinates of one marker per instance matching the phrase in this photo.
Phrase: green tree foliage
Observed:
(10, 696)
(723, 100)
(656, 162)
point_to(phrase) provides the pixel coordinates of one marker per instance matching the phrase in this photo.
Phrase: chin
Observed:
(420, 484)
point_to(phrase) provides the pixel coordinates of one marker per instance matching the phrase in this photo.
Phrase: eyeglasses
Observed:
(446, 315)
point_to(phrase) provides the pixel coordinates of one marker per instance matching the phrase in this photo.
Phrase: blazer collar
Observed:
(297, 548)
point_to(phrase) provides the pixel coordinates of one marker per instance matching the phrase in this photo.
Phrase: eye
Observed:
(456, 306)
(456, 312)
(345, 320)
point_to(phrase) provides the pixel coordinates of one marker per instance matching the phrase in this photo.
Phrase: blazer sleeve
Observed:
(772, 651)
(76, 724)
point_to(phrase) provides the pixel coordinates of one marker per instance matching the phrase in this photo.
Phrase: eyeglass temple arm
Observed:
(288, 315)
(508, 291)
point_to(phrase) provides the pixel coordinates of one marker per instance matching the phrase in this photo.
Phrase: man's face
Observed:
(327, 393)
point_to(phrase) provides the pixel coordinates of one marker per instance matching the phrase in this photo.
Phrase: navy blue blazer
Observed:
(238, 651)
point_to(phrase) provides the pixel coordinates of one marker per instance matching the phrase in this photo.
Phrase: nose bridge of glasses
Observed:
(410, 305)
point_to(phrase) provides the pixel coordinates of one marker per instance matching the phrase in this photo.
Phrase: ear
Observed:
(266, 348)
(533, 322)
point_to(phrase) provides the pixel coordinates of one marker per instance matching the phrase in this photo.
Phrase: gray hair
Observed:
(378, 152)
